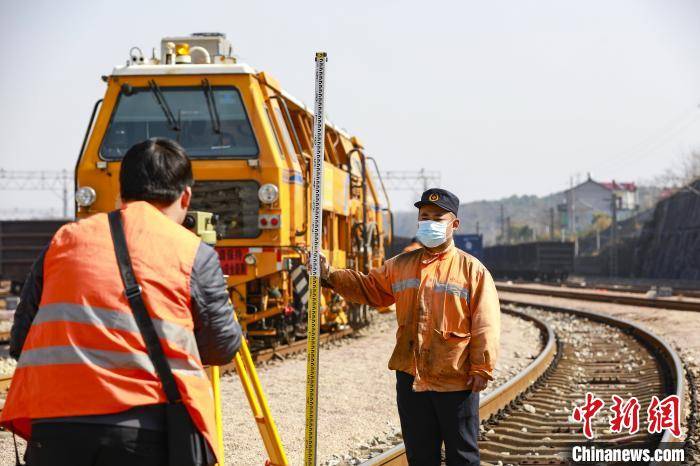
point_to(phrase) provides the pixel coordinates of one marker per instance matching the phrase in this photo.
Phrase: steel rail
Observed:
(615, 298)
(615, 287)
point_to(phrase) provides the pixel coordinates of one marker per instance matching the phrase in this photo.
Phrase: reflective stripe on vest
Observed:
(405, 285)
(453, 290)
(414, 283)
(53, 355)
(175, 334)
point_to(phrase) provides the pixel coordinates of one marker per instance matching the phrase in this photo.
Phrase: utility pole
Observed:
(551, 223)
(503, 224)
(613, 237)
(572, 219)
(508, 237)
(477, 227)
(65, 196)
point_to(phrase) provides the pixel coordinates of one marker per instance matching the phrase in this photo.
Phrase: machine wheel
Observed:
(272, 342)
(300, 330)
(288, 335)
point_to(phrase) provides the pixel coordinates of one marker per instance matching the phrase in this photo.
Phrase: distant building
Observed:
(585, 201)
(627, 193)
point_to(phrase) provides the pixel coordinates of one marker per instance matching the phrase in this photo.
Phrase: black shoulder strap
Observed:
(132, 290)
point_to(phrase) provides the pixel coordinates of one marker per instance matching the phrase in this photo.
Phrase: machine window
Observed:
(209, 122)
(235, 202)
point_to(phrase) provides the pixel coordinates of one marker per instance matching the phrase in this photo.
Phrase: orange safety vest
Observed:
(84, 354)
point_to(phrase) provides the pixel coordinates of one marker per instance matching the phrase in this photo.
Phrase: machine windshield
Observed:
(208, 121)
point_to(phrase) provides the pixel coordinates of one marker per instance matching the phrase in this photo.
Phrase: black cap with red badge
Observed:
(441, 198)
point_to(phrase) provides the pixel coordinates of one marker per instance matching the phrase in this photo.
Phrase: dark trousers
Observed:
(430, 418)
(75, 444)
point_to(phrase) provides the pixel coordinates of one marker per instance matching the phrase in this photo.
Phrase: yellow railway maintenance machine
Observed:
(251, 144)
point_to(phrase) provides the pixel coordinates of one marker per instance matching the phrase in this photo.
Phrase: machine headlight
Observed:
(85, 196)
(250, 259)
(268, 193)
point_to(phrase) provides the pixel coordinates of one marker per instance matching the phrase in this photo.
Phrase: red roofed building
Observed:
(590, 198)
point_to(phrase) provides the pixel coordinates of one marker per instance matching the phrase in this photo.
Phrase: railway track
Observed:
(639, 289)
(526, 421)
(608, 297)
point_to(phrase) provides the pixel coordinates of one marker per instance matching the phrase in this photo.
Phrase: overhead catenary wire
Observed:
(58, 182)
(655, 141)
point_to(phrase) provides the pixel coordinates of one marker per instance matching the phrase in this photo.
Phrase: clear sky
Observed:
(503, 97)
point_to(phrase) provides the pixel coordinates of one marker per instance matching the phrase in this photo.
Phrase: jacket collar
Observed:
(429, 257)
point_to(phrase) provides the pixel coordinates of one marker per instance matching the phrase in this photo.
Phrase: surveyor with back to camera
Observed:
(116, 320)
(448, 333)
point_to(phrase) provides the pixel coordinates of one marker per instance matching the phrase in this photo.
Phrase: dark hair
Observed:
(155, 170)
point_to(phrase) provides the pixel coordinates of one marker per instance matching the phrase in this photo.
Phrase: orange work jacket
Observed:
(447, 311)
(84, 354)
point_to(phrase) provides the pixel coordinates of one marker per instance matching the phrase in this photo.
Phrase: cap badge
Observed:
(433, 197)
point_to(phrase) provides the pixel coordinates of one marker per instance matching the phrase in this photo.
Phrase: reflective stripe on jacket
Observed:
(84, 354)
(447, 312)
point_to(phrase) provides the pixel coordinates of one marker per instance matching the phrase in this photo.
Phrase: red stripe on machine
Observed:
(233, 260)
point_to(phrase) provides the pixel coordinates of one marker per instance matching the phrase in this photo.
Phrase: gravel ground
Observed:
(357, 391)
(7, 366)
(681, 329)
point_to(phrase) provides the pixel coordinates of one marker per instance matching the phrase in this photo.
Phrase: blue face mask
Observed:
(431, 234)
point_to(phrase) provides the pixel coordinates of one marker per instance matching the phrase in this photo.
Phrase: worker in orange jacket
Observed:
(448, 333)
(85, 391)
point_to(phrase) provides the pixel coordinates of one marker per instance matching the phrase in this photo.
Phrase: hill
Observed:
(529, 215)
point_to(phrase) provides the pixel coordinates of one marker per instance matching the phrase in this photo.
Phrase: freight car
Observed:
(21, 241)
(250, 143)
(471, 243)
(547, 260)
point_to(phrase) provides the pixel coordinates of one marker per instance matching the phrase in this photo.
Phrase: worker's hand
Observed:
(477, 382)
(325, 268)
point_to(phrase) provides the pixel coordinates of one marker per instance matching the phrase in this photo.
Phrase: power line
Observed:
(411, 180)
(654, 141)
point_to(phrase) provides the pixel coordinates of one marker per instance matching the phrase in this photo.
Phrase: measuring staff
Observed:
(315, 267)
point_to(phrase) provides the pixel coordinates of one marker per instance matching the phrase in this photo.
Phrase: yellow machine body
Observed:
(270, 239)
